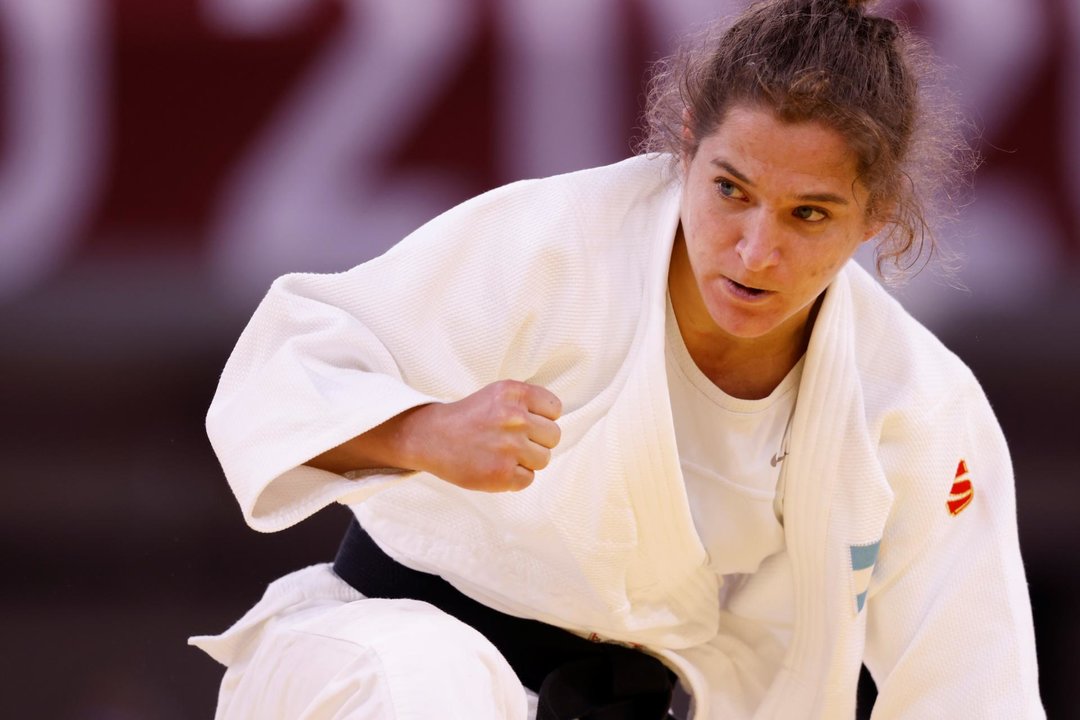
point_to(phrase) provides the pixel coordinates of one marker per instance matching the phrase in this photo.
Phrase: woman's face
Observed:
(770, 213)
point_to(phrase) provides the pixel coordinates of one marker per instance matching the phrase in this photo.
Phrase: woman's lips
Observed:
(745, 292)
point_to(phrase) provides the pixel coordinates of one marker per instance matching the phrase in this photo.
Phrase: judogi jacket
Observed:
(899, 511)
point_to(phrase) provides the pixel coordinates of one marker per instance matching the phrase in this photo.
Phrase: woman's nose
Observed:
(757, 247)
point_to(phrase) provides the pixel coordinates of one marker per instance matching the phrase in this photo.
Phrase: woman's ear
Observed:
(687, 126)
(688, 140)
(880, 213)
(873, 228)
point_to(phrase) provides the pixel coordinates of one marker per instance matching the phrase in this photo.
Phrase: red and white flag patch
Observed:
(962, 492)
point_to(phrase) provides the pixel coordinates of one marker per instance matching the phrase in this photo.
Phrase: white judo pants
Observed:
(315, 649)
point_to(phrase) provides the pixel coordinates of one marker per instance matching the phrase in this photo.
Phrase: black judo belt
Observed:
(574, 677)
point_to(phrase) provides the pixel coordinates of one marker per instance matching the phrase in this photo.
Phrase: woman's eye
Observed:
(809, 213)
(730, 189)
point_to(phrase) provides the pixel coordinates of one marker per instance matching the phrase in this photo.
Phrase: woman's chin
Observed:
(743, 325)
(740, 319)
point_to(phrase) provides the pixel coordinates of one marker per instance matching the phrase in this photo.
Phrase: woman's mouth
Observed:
(745, 292)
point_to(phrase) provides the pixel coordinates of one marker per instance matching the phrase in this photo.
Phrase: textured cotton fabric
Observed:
(728, 449)
(315, 649)
(561, 282)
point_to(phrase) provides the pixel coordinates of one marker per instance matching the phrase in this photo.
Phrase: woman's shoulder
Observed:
(924, 406)
(902, 362)
(531, 218)
(597, 214)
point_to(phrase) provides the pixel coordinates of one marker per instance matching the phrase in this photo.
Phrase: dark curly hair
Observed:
(828, 61)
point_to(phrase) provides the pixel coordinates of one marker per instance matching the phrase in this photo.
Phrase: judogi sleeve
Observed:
(949, 626)
(327, 357)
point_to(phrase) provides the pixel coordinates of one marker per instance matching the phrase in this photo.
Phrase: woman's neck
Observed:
(742, 368)
(749, 368)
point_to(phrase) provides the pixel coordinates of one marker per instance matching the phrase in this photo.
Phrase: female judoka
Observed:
(643, 437)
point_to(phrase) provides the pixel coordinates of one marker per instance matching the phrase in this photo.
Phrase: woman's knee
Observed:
(378, 659)
(431, 662)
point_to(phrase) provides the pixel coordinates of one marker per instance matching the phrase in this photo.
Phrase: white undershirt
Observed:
(726, 447)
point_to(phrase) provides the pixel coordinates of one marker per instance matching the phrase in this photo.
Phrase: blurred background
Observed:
(161, 162)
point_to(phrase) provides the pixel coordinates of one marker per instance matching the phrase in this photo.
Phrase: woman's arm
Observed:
(949, 626)
(463, 302)
(493, 440)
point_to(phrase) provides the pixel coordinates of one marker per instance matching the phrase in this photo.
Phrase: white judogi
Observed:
(561, 282)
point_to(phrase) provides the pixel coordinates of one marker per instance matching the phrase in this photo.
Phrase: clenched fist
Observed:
(493, 440)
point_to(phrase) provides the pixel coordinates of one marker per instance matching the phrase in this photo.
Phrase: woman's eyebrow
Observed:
(820, 197)
(733, 170)
(823, 198)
